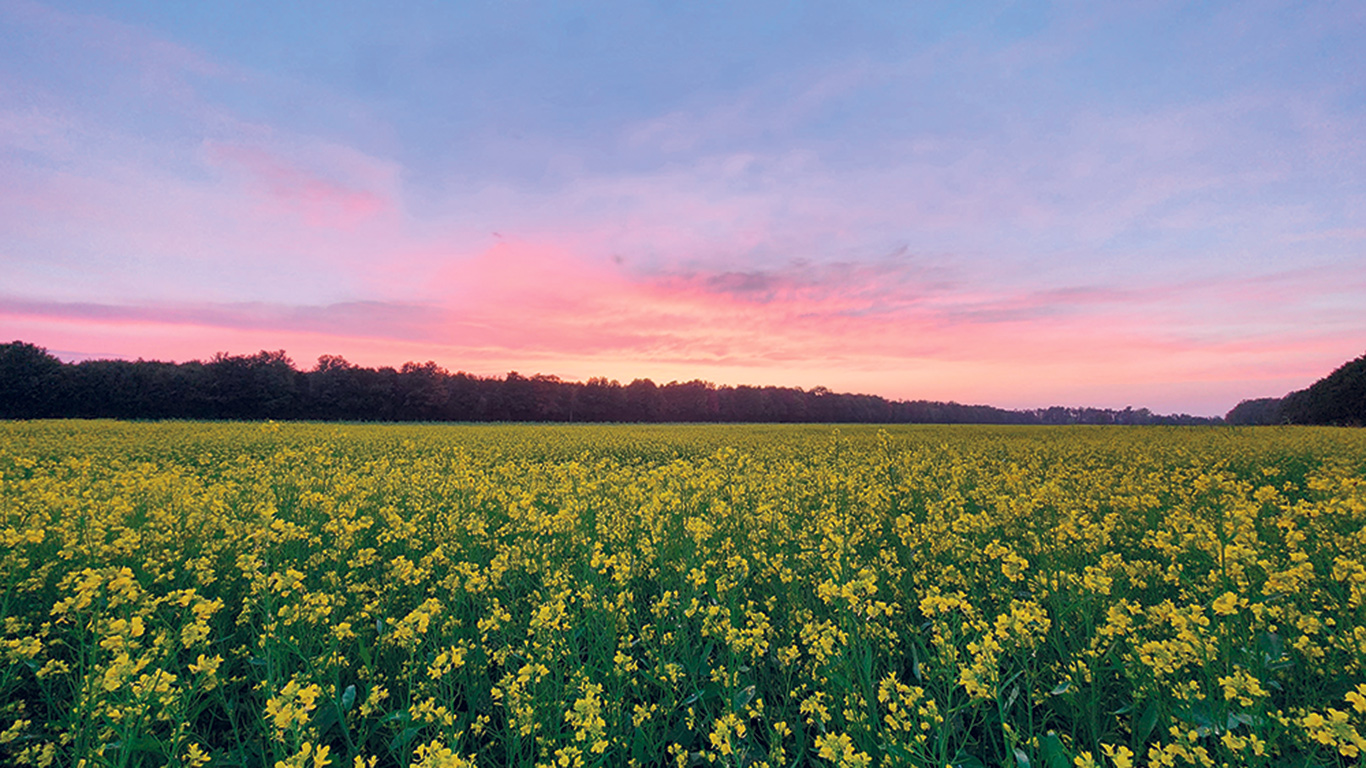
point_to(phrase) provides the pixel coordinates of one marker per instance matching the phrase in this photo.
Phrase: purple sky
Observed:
(1148, 204)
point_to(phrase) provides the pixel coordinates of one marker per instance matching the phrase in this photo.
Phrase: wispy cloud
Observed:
(317, 200)
(347, 319)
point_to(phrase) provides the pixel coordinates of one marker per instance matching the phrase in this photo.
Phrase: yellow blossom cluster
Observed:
(309, 595)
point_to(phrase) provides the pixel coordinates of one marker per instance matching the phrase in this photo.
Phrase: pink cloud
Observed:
(164, 70)
(577, 325)
(318, 201)
(355, 319)
(528, 303)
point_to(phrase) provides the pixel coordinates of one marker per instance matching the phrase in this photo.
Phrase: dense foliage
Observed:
(1259, 412)
(33, 384)
(291, 595)
(1337, 399)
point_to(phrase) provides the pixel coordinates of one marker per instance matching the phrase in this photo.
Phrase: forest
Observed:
(1337, 399)
(268, 385)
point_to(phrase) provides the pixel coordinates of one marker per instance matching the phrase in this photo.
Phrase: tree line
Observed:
(1337, 399)
(267, 385)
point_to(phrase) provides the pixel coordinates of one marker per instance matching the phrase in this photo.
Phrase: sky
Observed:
(1147, 204)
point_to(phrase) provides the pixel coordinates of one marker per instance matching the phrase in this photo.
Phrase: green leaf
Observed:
(399, 746)
(742, 698)
(1055, 755)
(708, 691)
(1146, 721)
(640, 747)
(967, 761)
(328, 716)
(1010, 699)
(1237, 719)
(348, 697)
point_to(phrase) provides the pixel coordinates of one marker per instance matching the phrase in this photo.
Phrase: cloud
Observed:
(357, 319)
(840, 286)
(153, 55)
(932, 218)
(1083, 344)
(317, 200)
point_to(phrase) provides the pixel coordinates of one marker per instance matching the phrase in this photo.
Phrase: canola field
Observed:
(362, 596)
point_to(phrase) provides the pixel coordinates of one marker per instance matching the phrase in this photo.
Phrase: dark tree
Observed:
(260, 386)
(335, 389)
(691, 401)
(516, 400)
(423, 393)
(30, 382)
(600, 400)
(1338, 398)
(123, 389)
(33, 383)
(642, 401)
(1262, 411)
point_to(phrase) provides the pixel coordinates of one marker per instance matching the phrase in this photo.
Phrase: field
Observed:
(347, 595)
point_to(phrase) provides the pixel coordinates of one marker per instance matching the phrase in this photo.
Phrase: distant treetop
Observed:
(267, 385)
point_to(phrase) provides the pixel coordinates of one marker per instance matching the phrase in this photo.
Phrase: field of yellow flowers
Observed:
(362, 596)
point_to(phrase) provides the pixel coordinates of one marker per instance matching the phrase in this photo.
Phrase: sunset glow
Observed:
(1154, 205)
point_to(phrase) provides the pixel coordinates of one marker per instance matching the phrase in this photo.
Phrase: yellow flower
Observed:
(1357, 698)
(437, 755)
(839, 750)
(1227, 604)
(205, 665)
(14, 731)
(307, 755)
(290, 709)
(195, 756)
(1121, 756)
